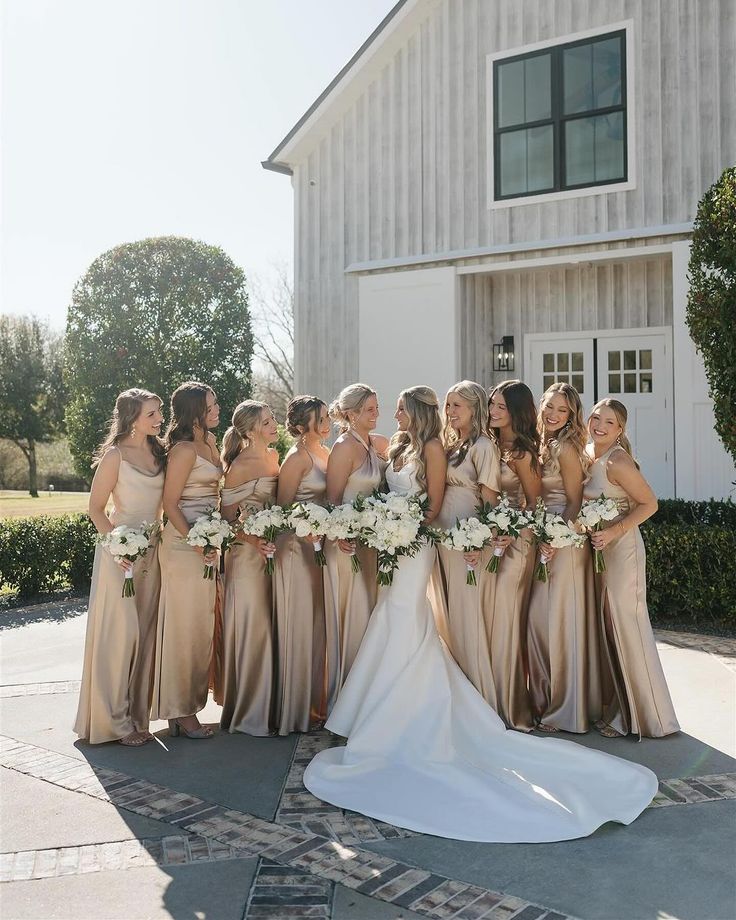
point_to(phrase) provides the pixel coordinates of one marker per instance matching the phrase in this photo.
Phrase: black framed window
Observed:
(559, 117)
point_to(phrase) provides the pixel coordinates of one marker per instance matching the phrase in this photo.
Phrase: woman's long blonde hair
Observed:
(351, 399)
(622, 417)
(128, 406)
(573, 432)
(473, 394)
(420, 404)
(246, 420)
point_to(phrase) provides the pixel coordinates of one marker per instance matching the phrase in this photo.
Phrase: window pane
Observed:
(526, 160)
(578, 382)
(579, 151)
(563, 361)
(630, 361)
(510, 94)
(577, 361)
(548, 363)
(645, 359)
(629, 383)
(614, 383)
(548, 380)
(614, 360)
(645, 384)
(578, 79)
(537, 88)
(607, 73)
(609, 147)
(540, 158)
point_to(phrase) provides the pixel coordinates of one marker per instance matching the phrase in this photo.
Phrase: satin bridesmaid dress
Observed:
(186, 612)
(505, 612)
(459, 606)
(115, 695)
(634, 689)
(350, 597)
(301, 700)
(247, 622)
(564, 666)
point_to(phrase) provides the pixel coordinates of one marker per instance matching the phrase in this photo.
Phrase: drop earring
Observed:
(132, 432)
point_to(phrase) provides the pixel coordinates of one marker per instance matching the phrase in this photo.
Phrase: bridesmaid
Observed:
(564, 675)
(251, 474)
(301, 701)
(115, 695)
(186, 613)
(513, 420)
(635, 694)
(355, 468)
(473, 478)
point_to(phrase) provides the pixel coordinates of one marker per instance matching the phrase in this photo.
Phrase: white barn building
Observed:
(506, 188)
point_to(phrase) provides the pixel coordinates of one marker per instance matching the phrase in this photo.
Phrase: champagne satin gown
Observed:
(186, 612)
(115, 694)
(247, 622)
(635, 694)
(300, 622)
(350, 597)
(505, 612)
(564, 666)
(459, 606)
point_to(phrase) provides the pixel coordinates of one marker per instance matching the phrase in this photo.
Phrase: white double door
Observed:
(632, 365)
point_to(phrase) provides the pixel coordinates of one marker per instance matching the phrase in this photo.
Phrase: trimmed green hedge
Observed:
(691, 558)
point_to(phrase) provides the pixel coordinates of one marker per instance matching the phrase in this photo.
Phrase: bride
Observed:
(424, 749)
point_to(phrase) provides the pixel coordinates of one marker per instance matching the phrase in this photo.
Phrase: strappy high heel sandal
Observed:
(175, 729)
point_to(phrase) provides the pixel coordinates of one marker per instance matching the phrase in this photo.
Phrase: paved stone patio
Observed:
(226, 828)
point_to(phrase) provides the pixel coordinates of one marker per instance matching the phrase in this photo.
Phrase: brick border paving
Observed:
(180, 850)
(720, 647)
(52, 686)
(377, 876)
(279, 891)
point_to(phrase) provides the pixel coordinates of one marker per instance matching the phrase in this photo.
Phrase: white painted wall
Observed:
(703, 469)
(407, 334)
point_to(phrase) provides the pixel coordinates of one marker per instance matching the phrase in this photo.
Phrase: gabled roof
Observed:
(280, 159)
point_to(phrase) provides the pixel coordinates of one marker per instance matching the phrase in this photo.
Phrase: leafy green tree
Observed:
(153, 314)
(31, 387)
(711, 305)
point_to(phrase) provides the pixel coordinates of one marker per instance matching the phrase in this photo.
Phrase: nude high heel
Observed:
(175, 729)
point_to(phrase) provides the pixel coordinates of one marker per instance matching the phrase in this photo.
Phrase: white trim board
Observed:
(627, 26)
(569, 260)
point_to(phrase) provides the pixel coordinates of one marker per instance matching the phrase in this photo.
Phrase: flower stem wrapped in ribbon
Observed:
(593, 514)
(551, 528)
(130, 543)
(308, 519)
(267, 524)
(211, 532)
(392, 525)
(505, 521)
(467, 536)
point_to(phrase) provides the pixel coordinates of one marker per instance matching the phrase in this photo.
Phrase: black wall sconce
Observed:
(503, 354)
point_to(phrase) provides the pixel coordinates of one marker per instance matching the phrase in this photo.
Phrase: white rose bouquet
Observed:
(130, 543)
(506, 521)
(267, 524)
(211, 532)
(593, 513)
(309, 519)
(552, 529)
(345, 522)
(467, 536)
(391, 524)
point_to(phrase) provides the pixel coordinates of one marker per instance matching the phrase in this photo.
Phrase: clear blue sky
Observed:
(135, 118)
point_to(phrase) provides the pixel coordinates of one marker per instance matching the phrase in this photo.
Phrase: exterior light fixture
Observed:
(503, 354)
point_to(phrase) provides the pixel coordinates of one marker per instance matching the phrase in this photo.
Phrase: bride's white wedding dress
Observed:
(426, 752)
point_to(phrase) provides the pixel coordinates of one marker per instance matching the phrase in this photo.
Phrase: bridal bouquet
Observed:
(124, 542)
(391, 524)
(593, 513)
(552, 528)
(308, 519)
(506, 521)
(345, 523)
(267, 524)
(211, 531)
(467, 536)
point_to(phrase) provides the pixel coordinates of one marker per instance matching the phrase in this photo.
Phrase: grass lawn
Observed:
(15, 504)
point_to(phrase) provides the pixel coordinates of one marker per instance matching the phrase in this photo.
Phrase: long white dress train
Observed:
(426, 752)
